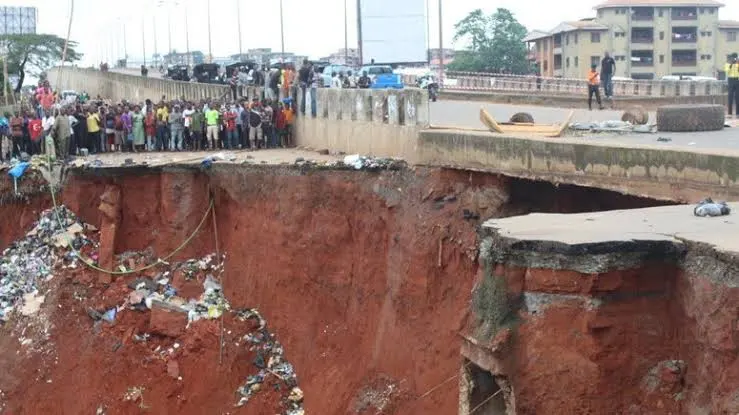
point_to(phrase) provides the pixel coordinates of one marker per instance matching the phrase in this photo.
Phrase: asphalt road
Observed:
(467, 113)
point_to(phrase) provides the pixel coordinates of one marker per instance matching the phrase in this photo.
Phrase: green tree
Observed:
(495, 43)
(35, 53)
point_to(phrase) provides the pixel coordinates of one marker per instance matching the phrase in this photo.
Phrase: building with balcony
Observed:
(647, 38)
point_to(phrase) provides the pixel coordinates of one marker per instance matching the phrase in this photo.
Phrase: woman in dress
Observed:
(139, 136)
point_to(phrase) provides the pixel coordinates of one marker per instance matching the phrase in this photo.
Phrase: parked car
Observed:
(382, 76)
(206, 73)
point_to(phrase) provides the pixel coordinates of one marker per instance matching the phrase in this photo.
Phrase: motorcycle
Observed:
(429, 83)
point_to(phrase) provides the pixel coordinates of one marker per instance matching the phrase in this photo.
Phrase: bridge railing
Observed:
(532, 84)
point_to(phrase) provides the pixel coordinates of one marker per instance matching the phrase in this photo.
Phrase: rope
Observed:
(218, 255)
(90, 264)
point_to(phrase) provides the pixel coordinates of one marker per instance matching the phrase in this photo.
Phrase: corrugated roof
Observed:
(659, 3)
(536, 35)
(728, 24)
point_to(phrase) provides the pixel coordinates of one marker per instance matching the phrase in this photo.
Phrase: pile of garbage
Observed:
(613, 126)
(269, 360)
(708, 208)
(373, 163)
(30, 260)
(159, 292)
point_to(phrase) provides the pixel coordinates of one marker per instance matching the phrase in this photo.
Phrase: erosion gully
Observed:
(365, 277)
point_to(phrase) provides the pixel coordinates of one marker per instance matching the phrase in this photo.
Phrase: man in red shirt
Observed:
(232, 135)
(35, 130)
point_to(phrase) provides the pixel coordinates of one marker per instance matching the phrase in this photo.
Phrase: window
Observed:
(661, 13)
(576, 61)
(661, 35)
(711, 10)
(703, 10)
(576, 38)
(595, 37)
(661, 58)
(731, 36)
(567, 39)
(567, 62)
(707, 33)
(594, 60)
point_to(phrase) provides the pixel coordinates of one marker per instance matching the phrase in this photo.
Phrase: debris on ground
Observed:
(373, 163)
(613, 126)
(708, 208)
(270, 361)
(30, 260)
(664, 139)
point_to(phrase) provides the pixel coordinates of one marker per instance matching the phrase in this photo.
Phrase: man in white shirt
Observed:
(187, 115)
(336, 82)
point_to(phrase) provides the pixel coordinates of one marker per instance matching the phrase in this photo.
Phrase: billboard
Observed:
(393, 31)
(17, 20)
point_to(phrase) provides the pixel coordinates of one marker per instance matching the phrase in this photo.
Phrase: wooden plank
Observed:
(489, 121)
(564, 125)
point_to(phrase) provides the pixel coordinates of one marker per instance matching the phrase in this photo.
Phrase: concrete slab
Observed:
(661, 224)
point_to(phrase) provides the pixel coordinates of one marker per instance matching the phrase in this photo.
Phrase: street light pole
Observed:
(125, 45)
(441, 47)
(143, 38)
(359, 32)
(282, 30)
(346, 34)
(187, 38)
(238, 25)
(154, 21)
(210, 44)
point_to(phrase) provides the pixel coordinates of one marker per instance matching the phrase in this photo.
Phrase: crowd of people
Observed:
(84, 126)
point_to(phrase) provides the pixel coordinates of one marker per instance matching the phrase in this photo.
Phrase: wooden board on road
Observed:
(547, 130)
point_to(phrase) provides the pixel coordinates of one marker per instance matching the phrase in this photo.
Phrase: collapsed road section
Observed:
(363, 275)
(629, 312)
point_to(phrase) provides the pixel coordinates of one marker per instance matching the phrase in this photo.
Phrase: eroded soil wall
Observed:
(365, 277)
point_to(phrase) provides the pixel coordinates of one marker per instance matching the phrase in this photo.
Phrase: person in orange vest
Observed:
(593, 84)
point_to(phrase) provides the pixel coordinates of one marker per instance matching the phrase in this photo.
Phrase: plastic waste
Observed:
(708, 208)
(19, 170)
(109, 315)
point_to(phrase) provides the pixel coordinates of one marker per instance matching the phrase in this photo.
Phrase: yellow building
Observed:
(648, 39)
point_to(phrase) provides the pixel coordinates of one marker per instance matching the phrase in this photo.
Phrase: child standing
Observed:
(593, 83)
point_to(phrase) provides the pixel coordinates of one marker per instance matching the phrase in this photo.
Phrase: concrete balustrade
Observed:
(365, 121)
(565, 86)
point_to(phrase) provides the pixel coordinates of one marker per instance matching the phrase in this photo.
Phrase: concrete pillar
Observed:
(334, 106)
(379, 106)
(347, 98)
(394, 107)
(363, 105)
(323, 102)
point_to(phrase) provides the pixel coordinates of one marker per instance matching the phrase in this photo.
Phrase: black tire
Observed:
(523, 117)
(699, 117)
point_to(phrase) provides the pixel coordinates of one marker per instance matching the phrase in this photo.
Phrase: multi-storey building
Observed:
(647, 38)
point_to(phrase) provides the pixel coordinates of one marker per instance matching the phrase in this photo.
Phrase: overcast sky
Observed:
(312, 27)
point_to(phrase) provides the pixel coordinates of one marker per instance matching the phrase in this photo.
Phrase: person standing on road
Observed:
(139, 130)
(150, 126)
(732, 75)
(62, 131)
(162, 120)
(593, 85)
(607, 69)
(176, 127)
(211, 119)
(93, 130)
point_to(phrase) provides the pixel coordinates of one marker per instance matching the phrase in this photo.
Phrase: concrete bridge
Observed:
(404, 124)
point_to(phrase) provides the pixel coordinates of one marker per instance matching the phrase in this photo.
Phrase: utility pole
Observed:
(282, 31)
(210, 44)
(238, 25)
(359, 32)
(441, 47)
(428, 32)
(143, 38)
(154, 21)
(125, 47)
(346, 34)
(169, 34)
(187, 38)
